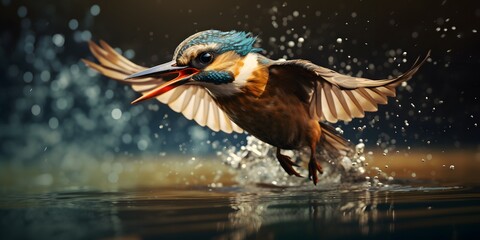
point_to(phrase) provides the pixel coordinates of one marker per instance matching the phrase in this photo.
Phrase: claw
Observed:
(313, 167)
(319, 167)
(287, 163)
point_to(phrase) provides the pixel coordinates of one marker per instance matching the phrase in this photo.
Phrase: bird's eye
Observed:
(205, 58)
(202, 60)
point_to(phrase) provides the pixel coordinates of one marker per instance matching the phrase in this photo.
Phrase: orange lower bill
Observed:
(184, 76)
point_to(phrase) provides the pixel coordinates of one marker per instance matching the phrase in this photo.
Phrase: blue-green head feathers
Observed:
(240, 42)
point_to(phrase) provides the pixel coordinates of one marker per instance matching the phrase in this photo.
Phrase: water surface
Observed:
(252, 212)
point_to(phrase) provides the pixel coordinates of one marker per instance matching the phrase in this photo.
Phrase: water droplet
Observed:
(73, 24)
(86, 35)
(22, 11)
(109, 94)
(58, 40)
(126, 138)
(142, 144)
(27, 77)
(36, 110)
(62, 103)
(95, 10)
(129, 53)
(53, 123)
(116, 113)
(339, 40)
(45, 76)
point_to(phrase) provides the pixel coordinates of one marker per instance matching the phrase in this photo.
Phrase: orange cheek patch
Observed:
(238, 66)
(223, 62)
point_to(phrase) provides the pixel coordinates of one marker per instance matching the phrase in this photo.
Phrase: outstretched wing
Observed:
(334, 96)
(194, 102)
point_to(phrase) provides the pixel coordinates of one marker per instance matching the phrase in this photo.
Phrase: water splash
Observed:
(256, 163)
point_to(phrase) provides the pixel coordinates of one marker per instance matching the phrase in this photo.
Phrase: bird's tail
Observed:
(332, 145)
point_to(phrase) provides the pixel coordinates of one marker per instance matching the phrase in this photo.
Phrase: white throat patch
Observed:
(250, 63)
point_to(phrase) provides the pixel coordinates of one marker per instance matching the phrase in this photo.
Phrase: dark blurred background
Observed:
(54, 109)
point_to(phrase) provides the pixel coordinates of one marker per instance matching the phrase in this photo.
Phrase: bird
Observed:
(222, 80)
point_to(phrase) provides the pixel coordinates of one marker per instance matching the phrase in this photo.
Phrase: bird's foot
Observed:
(287, 163)
(313, 167)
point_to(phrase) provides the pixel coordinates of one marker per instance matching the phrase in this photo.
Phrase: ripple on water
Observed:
(239, 212)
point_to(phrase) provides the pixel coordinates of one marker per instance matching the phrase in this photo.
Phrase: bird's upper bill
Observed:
(179, 75)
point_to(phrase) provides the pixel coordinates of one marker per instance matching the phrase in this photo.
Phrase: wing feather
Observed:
(176, 93)
(334, 96)
(201, 116)
(190, 92)
(176, 100)
(326, 110)
(225, 122)
(119, 58)
(236, 128)
(330, 103)
(377, 95)
(342, 108)
(200, 95)
(353, 104)
(104, 59)
(194, 102)
(365, 102)
(342, 101)
(213, 117)
(143, 88)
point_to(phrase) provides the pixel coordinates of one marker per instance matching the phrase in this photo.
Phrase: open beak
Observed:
(183, 75)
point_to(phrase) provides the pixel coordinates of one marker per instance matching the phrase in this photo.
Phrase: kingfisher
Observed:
(222, 81)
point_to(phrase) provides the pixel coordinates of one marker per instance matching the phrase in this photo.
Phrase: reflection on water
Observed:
(262, 212)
